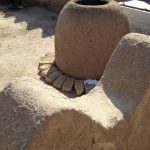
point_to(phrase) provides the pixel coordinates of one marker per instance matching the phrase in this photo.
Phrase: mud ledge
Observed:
(114, 115)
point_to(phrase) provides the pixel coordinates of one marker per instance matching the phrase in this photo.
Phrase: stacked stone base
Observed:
(53, 76)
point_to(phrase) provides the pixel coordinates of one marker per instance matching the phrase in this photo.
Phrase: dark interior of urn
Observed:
(92, 2)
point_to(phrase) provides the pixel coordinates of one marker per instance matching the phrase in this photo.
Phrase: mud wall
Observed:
(55, 5)
(139, 20)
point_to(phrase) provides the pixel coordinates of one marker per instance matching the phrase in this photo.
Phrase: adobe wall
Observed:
(55, 5)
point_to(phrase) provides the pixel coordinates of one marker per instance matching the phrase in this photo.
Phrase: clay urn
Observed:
(86, 35)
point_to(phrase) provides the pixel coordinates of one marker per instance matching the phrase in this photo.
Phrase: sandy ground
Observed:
(25, 36)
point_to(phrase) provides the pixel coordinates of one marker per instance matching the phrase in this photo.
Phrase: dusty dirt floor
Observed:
(25, 36)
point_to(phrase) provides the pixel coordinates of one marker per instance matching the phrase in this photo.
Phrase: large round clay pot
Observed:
(86, 35)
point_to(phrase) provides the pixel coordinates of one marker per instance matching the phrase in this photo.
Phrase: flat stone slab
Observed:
(47, 59)
(53, 76)
(52, 69)
(47, 71)
(44, 73)
(79, 87)
(88, 88)
(43, 67)
(89, 85)
(44, 62)
(68, 84)
(59, 81)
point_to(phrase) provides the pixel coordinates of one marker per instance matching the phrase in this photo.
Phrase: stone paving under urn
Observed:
(53, 76)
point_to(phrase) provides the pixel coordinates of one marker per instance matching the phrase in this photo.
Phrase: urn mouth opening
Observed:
(92, 2)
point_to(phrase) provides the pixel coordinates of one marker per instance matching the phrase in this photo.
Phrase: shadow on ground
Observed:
(34, 17)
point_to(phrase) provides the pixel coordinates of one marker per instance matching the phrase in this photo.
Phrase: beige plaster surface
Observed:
(25, 36)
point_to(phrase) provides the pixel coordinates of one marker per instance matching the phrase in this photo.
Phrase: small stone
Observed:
(79, 87)
(44, 73)
(44, 62)
(88, 88)
(59, 81)
(68, 84)
(48, 59)
(52, 69)
(53, 76)
(47, 71)
(43, 67)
